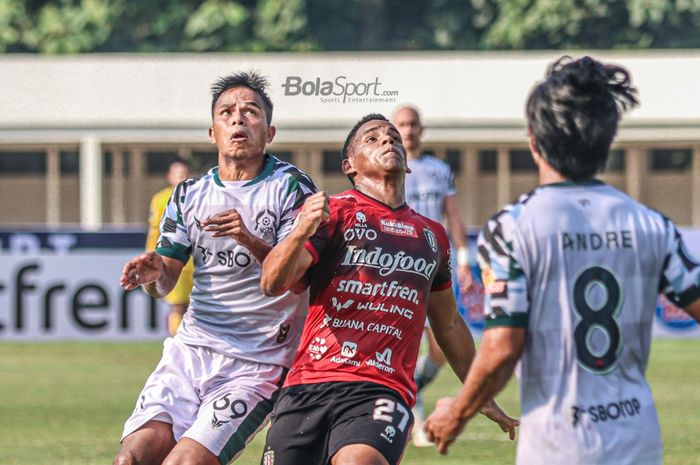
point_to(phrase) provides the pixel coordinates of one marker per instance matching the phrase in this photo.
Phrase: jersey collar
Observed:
(379, 203)
(588, 183)
(268, 166)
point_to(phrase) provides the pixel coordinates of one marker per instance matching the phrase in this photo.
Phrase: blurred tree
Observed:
(72, 26)
(546, 24)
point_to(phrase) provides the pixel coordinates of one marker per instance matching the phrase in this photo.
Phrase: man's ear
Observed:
(347, 167)
(212, 139)
(271, 131)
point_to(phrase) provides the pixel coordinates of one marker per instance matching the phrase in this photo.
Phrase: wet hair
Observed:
(353, 131)
(574, 114)
(249, 79)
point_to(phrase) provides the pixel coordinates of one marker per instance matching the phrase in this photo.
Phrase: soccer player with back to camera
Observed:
(375, 269)
(220, 374)
(572, 271)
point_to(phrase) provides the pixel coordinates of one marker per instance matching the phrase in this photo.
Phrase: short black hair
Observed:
(250, 79)
(358, 125)
(574, 114)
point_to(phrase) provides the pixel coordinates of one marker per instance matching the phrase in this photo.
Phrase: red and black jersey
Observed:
(373, 270)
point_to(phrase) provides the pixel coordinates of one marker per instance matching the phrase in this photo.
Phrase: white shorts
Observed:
(219, 401)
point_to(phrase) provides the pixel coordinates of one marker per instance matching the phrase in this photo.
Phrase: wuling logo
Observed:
(339, 90)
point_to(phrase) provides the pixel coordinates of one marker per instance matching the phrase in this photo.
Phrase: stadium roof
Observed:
(464, 96)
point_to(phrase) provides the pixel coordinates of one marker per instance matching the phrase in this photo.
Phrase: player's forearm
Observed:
(258, 247)
(160, 287)
(166, 281)
(487, 377)
(283, 266)
(458, 233)
(457, 343)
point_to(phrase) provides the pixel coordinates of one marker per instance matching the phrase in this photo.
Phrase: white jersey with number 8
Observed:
(580, 267)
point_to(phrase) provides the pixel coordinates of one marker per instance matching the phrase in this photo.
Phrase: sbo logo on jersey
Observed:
(387, 263)
(229, 258)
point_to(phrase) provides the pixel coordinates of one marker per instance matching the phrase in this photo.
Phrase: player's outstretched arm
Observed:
(493, 366)
(458, 234)
(230, 224)
(158, 275)
(285, 265)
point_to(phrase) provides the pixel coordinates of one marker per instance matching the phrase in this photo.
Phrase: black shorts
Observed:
(311, 422)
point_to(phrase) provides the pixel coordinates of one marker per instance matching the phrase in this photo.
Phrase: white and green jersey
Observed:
(427, 185)
(580, 266)
(227, 311)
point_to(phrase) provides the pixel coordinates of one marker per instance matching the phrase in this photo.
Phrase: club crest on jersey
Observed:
(265, 224)
(360, 217)
(432, 240)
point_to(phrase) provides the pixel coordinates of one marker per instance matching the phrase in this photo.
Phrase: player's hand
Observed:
(228, 224)
(314, 212)
(142, 269)
(494, 413)
(464, 278)
(443, 426)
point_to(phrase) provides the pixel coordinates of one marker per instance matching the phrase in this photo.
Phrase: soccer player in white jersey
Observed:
(430, 191)
(219, 375)
(572, 272)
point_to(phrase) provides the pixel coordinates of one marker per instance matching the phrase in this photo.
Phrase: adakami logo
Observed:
(387, 263)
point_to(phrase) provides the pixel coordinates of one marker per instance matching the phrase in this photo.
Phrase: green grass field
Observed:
(65, 404)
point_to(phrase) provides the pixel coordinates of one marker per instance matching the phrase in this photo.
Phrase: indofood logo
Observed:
(339, 90)
(387, 262)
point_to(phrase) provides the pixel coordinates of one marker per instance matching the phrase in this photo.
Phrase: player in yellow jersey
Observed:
(179, 298)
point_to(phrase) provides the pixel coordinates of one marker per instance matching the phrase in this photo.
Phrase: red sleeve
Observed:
(443, 277)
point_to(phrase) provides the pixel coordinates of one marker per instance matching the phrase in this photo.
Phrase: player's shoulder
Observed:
(348, 199)
(427, 224)
(287, 172)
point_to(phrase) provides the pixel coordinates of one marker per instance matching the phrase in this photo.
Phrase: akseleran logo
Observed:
(387, 263)
(339, 90)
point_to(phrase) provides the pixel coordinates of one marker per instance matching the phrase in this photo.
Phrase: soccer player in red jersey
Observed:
(376, 269)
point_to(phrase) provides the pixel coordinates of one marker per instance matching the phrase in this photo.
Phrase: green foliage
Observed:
(73, 26)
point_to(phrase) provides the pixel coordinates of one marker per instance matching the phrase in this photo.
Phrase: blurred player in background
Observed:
(572, 272)
(179, 298)
(430, 191)
(220, 374)
(375, 268)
